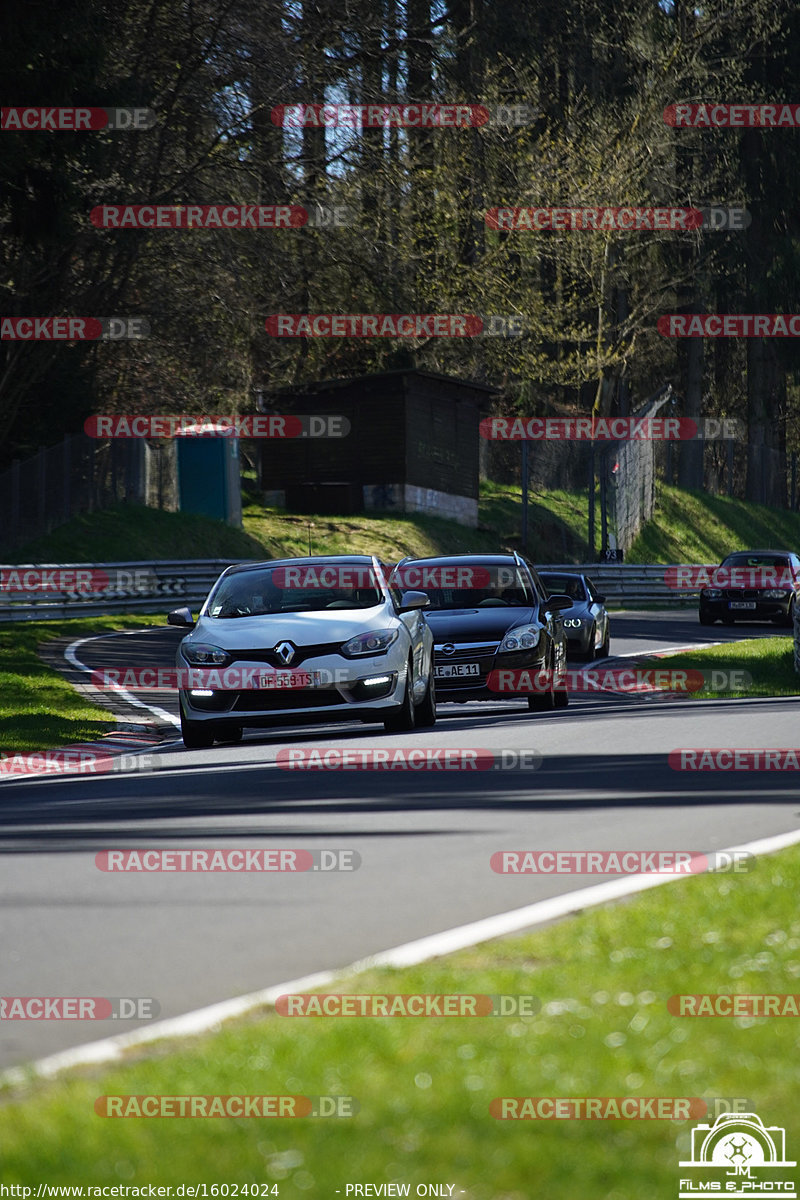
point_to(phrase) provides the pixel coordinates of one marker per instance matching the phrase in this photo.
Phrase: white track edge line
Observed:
(204, 1020)
(71, 657)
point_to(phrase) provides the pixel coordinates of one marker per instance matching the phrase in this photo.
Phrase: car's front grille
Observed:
(479, 653)
(301, 654)
(465, 653)
(269, 700)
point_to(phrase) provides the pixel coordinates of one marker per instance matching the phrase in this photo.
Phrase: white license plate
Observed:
(456, 670)
(287, 679)
(742, 603)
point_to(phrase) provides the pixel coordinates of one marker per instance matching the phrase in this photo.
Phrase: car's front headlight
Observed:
(200, 654)
(710, 593)
(522, 637)
(775, 594)
(377, 641)
(573, 622)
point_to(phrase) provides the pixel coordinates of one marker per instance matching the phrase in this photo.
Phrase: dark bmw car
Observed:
(494, 624)
(586, 624)
(753, 585)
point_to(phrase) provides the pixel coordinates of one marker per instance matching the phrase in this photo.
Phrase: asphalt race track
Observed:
(424, 837)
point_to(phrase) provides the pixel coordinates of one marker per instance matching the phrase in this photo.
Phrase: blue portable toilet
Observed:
(209, 475)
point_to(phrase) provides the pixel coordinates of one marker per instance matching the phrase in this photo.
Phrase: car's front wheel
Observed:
(788, 620)
(606, 646)
(403, 719)
(197, 735)
(706, 618)
(545, 701)
(425, 716)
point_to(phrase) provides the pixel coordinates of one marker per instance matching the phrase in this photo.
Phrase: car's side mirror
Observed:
(413, 600)
(598, 599)
(560, 601)
(182, 617)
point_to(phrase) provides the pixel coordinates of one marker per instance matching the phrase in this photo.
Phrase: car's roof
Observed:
(562, 574)
(318, 560)
(481, 559)
(747, 553)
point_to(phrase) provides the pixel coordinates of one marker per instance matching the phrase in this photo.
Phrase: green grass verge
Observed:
(768, 661)
(424, 1084)
(39, 709)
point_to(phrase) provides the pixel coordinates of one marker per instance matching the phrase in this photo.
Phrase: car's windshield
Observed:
(458, 586)
(756, 560)
(564, 585)
(290, 589)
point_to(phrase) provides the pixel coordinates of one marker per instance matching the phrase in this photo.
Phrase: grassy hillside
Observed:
(687, 527)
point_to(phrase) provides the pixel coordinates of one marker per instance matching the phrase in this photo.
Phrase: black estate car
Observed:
(495, 628)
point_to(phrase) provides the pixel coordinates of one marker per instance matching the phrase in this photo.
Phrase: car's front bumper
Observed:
(340, 691)
(758, 608)
(488, 660)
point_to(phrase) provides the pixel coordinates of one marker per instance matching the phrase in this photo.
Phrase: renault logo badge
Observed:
(285, 652)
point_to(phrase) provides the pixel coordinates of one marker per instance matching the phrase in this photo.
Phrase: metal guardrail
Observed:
(158, 586)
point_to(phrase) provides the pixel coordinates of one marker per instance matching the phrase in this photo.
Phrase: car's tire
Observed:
(403, 719)
(590, 654)
(788, 620)
(425, 715)
(561, 697)
(197, 735)
(605, 649)
(544, 701)
(706, 618)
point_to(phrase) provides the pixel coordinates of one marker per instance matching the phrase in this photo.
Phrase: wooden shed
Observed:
(413, 446)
